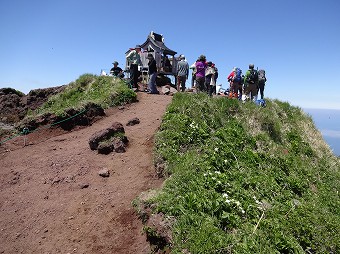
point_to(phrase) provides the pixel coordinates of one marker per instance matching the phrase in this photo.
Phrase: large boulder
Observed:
(115, 129)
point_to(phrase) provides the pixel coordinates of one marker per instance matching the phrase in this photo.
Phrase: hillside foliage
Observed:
(105, 91)
(246, 179)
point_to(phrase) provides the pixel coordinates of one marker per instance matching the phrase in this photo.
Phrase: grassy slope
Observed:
(104, 91)
(246, 179)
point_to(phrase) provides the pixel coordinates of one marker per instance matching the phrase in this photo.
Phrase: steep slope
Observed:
(244, 179)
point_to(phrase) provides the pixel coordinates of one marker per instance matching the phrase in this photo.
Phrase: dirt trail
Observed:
(45, 206)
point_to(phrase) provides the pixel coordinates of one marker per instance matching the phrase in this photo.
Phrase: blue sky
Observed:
(50, 43)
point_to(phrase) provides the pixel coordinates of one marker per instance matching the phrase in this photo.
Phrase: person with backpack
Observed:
(235, 78)
(251, 83)
(262, 81)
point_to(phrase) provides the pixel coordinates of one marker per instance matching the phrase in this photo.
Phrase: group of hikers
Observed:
(243, 87)
(204, 77)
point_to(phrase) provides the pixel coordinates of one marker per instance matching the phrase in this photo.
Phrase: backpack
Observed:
(237, 75)
(253, 76)
(261, 103)
(262, 76)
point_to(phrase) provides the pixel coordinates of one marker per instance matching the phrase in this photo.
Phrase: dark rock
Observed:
(15, 104)
(119, 146)
(84, 185)
(133, 121)
(117, 127)
(105, 148)
(105, 134)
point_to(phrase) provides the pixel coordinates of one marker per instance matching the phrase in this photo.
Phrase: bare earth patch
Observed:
(52, 199)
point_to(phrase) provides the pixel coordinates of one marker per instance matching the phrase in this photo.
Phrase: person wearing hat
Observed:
(182, 73)
(134, 60)
(116, 71)
(152, 75)
(251, 83)
(201, 65)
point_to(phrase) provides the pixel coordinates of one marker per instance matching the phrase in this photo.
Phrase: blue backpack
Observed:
(261, 103)
(237, 75)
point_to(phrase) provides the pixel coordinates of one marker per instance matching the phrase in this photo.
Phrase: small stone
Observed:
(84, 185)
(133, 121)
(104, 173)
(56, 180)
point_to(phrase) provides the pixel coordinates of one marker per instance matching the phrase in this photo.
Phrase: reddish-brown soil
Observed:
(45, 204)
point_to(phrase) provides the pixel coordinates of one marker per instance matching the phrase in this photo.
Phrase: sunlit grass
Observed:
(246, 179)
(104, 91)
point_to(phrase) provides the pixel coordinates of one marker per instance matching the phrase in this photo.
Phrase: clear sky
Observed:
(49, 43)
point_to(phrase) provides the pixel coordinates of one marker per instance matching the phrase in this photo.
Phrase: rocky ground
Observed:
(53, 198)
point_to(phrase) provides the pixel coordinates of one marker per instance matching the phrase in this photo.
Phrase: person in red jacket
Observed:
(233, 84)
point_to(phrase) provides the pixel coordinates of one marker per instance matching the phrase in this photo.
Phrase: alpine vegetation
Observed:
(245, 179)
(104, 91)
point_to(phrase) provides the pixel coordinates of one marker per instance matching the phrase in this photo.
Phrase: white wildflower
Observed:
(193, 125)
(217, 172)
(216, 149)
(225, 195)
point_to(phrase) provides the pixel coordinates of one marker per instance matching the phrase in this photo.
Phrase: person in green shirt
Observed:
(250, 84)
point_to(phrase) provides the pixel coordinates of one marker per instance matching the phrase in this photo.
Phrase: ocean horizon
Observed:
(328, 123)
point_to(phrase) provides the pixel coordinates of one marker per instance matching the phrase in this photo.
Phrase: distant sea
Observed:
(328, 122)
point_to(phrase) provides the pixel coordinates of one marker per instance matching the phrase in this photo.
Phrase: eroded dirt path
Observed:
(44, 205)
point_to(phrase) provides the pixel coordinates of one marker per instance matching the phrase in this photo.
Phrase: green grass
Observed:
(104, 91)
(246, 179)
